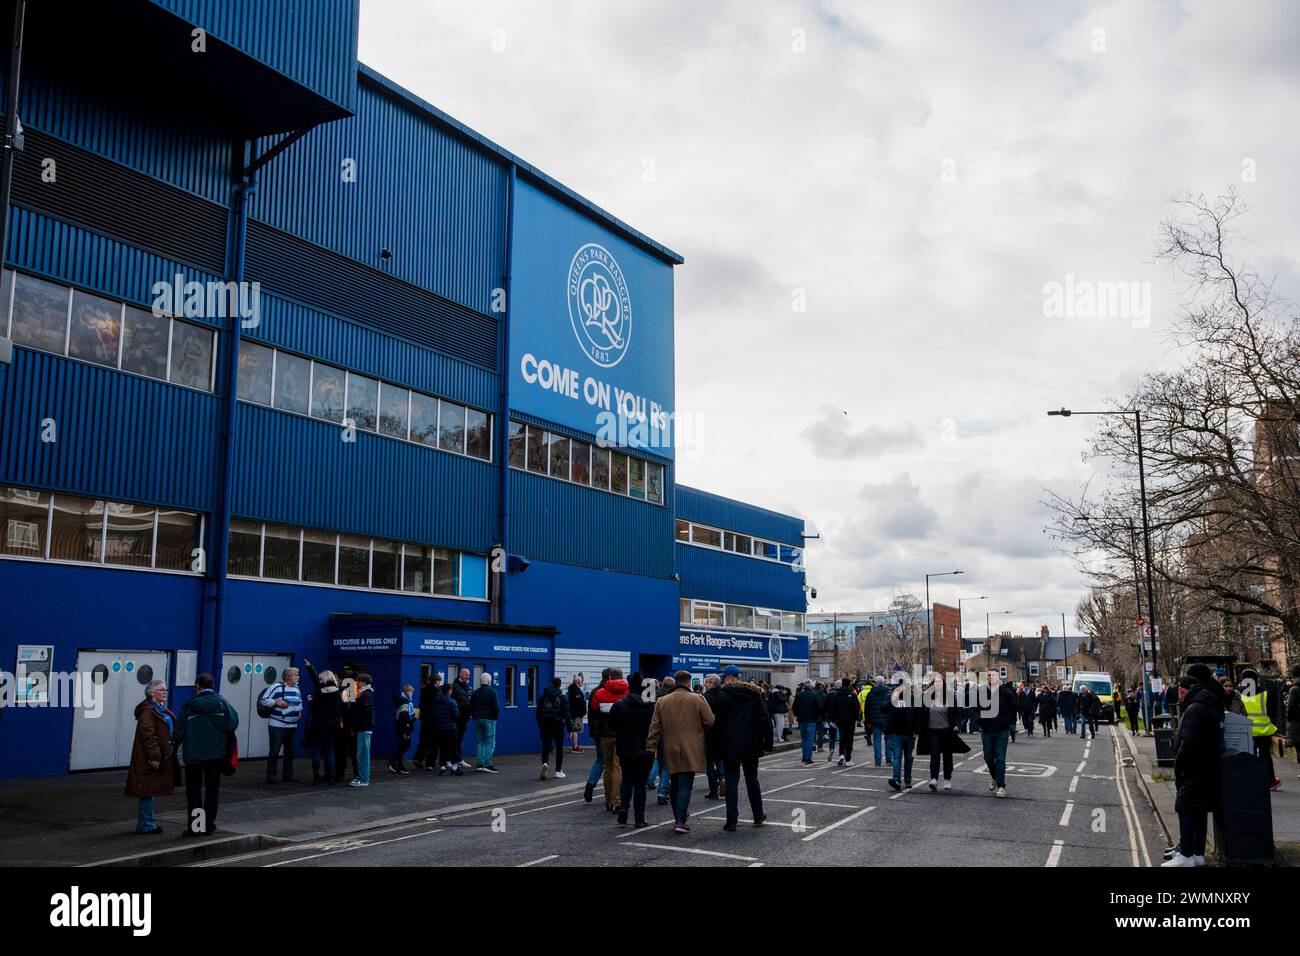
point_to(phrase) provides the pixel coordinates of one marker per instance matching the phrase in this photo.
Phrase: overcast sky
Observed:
(914, 175)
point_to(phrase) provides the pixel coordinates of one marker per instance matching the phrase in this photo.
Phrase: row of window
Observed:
(283, 553)
(57, 318)
(691, 533)
(38, 524)
(717, 614)
(291, 383)
(558, 456)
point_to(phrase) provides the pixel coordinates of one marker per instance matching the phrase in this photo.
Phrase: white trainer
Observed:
(559, 775)
(1002, 792)
(947, 785)
(1179, 860)
(993, 785)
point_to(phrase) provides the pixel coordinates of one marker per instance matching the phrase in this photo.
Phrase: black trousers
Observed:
(553, 736)
(202, 793)
(937, 754)
(462, 721)
(846, 745)
(732, 770)
(403, 745)
(345, 745)
(427, 748)
(631, 788)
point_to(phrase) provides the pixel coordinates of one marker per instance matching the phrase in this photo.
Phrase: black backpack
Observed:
(551, 708)
(264, 706)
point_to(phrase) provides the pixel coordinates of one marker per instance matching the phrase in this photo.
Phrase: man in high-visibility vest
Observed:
(1262, 716)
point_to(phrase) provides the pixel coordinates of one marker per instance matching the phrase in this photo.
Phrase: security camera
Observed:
(812, 593)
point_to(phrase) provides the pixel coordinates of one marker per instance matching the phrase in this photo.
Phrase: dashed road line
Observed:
(1054, 857)
(839, 823)
(553, 856)
(1069, 809)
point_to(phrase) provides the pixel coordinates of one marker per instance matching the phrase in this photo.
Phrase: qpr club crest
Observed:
(774, 650)
(600, 308)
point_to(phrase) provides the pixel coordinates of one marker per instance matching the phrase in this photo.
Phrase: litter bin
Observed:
(1162, 726)
(1243, 826)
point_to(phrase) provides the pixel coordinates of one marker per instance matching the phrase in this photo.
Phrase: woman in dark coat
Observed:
(630, 718)
(937, 736)
(1196, 766)
(325, 713)
(153, 765)
(1046, 711)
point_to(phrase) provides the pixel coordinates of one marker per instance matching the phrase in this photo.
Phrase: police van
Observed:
(1101, 685)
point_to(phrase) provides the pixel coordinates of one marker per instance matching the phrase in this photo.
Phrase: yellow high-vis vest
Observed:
(1256, 706)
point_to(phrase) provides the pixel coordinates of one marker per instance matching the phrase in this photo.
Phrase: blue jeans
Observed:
(1088, 723)
(681, 794)
(808, 735)
(280, 738)
(1070, 723)
(363, 755)
(995, 754)
(597, 766)
(485, 741)
(877, 740)
(900, 755)
(144, 821)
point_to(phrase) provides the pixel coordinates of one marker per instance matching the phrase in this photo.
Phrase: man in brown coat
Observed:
(152, 772)
(680, 721)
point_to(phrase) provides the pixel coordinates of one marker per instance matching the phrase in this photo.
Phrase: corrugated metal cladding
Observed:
(184, 155)
(524, 417)
(299, 471)
(329, 338)
(435, 202)
(730, 515)
(334, 283)
(119, 436)
(551, 520)
(717, 576)
(85, 259)
(313, 42)
(120, 202)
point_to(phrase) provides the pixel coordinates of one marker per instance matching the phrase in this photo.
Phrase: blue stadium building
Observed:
(294, 366)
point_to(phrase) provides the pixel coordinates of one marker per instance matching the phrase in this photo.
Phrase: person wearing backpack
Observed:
(203, 728)
(553, 719)
(281, 706)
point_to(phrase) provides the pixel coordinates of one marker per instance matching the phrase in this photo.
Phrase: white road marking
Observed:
(358, 845)
(814, 803)
(789, 785)
(1074, 784)
(1082, 764)
(567, 803)
(1130, 809)
(1054, 857)
(553, 856)
(837, 824)
(831, 786)
(1065, 817)
(692, 849)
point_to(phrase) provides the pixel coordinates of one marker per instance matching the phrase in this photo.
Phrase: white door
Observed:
(102, 737)
(243, 678)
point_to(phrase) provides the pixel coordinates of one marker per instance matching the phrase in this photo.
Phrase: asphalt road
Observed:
(1069, 803)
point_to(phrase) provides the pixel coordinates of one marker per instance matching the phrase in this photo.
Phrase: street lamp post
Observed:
(961, 621)
(987, 636)
(1146, 543)
(929, 646)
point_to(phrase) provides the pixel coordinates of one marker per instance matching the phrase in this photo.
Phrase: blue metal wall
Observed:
(434, 201)
(709, 575)
(730, 515)
(313, 42)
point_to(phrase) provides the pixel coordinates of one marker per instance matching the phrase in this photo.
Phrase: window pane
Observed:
(393, 402)
(683, 530)
(78, 523)
(130, 535)
(738, 616)
(178, 536)
(559, 455)
(354, 561)
(536, 450)
(478, 434)
(144, 346)
(580, 456)
(766, 549)
(292, 382)
(446, 572)
(618, 473)
(23, 519)
(327, 392)
(255, 363)
(245, 547)
(473, 576)
(684, 611)
(6, 290)
(788, 554)
(702, 535)
(318, 557)
(192, 356)
(710, 614)
(742, 544)
(415, 569)
(280, 553)
(765, 620)
(636, 476)
(96, 328)
(600, 468)
(363, 401)
(387, 565)
(451, 428)
(424, 419)
(517, 444)
(40, 317)
(654, 483)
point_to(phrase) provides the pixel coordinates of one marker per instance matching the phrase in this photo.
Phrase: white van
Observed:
(1101, 685)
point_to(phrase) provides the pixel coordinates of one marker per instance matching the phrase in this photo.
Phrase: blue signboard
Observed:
(591, 327)
(426, 641)
(705, 648)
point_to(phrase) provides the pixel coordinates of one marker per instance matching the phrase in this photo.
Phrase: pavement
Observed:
(1070, 803)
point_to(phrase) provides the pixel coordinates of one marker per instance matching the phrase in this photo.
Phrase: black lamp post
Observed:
(929, 646)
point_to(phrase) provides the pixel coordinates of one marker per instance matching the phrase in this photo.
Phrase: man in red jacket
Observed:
(613, 690)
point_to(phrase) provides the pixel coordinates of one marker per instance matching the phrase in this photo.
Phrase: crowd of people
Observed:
(656, 736)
